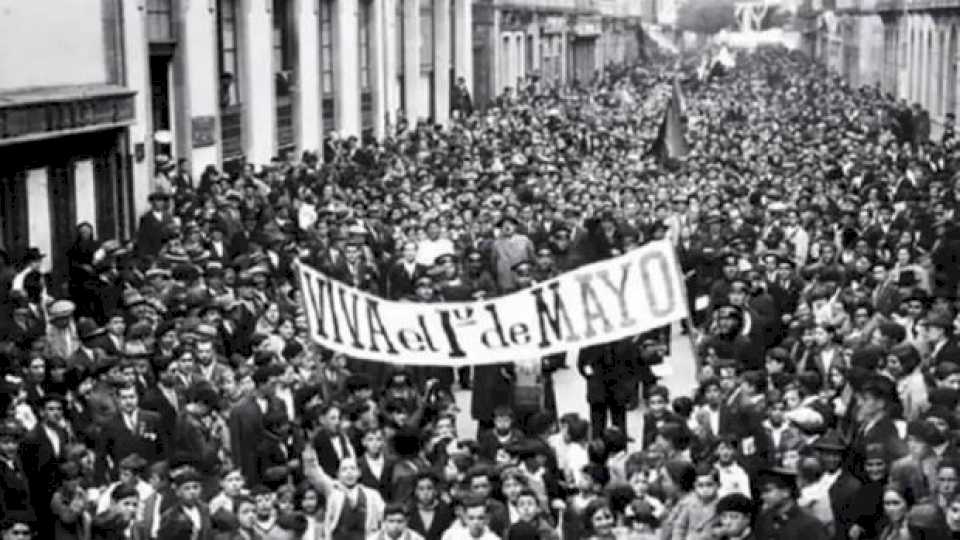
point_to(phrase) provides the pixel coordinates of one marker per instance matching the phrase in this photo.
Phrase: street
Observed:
(679, 375)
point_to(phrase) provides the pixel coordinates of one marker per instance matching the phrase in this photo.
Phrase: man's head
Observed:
(480, 480)
(264, 500)
(394, 520)
(425, 490)
(777, 488)
(52, 410)
(330, 417)
(736, 513)
(475, 515)
(373, 441)
(187, 485)
(126, 500)
(349, 472)
(205, 352)
(128, 398)
(245, 508)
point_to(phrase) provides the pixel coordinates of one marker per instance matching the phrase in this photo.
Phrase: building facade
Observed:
(69, 109)
(909, 48)
(549, 41)
(109, 87)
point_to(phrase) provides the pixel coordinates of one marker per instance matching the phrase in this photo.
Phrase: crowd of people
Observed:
(166, 387)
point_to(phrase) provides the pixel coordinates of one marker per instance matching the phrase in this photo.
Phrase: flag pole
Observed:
(691, 327)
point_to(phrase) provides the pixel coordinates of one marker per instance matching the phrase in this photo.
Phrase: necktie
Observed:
(344, 446)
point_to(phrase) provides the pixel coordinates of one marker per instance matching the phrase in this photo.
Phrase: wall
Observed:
(71, 43)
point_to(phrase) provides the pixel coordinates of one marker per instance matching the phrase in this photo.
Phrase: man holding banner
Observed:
(596, 304)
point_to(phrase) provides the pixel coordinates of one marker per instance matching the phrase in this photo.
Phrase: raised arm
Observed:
(313, 472)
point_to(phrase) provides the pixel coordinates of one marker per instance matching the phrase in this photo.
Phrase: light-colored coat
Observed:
(691, 519)
(336, 496)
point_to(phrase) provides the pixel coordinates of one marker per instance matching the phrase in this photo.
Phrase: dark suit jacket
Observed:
(42, 466)
(613, 377)
(147, 440)
(272, 452)
(150, 233)
(368, 479)
(884, 432)
(442, 519)
(950, 352)
(193, 440)
(110, 526)
(399, 283)
(154, 400)
(327, 454)
(15, 500)
(246, 430)
(106, 344)
(842, 494)
(795, 524)
(174, 523)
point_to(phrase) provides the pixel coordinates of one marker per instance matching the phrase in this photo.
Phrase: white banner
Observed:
(597, 303)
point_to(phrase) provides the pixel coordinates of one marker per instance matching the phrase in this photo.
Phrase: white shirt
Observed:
(130, 420)
(576, 459)
(428, 250)
(54, 438)
(458, 531)
(714, 417)
(194, 514)
(375, 464)
(285, 395)
(733, 479)
(171, 396)
(342, 450)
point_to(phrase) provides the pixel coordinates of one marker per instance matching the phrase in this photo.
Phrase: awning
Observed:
(31, 114)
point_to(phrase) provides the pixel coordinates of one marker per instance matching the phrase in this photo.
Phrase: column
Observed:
(306, 119)
(411, 61)
(380, 68)
(497, 59)
(136, 64)
(347, 61)
(259, 101)
(917, 65)
(562, 57)
(903, 59)
(520, 40)
(389, 67)
(38, 213)
(441, 60)
(922, 67)
(464, 46)
(196, 64)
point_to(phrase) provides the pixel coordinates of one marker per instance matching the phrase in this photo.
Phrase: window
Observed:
(426, 35)
(229, 58)
(399, 52)
(363, 38)
(453, 38)
(282, 57)
(159, 20)
(326, 47)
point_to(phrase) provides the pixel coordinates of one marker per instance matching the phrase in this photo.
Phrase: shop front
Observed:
(63, 161)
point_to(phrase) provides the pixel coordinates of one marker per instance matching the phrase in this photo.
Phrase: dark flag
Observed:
(670, 142)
